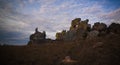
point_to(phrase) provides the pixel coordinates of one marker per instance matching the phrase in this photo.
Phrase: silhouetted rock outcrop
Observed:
(37, 37)
(82, 30)
(114, 28)
(79, 30)
(99, 26)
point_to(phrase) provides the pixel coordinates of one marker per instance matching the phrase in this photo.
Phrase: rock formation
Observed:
(99, 26)
(61, 35)
(37, 37)
(78, 29)
(82, 30)
(75, 23)
(114, 28)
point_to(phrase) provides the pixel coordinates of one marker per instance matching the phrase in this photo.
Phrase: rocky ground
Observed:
(100, 51)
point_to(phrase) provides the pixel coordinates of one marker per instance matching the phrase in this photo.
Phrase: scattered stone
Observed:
(68, 59)
(98, 44)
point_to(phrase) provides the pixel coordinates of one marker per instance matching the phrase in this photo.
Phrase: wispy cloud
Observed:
(113, 16)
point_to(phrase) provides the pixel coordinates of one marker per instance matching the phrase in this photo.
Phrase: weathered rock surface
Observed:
(78, 29)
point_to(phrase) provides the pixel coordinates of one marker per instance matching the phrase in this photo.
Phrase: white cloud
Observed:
(53, 18)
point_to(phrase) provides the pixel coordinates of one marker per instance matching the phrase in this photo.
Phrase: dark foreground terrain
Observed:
(100, 51)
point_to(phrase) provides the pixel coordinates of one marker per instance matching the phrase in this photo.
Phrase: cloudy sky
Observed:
(19, 18)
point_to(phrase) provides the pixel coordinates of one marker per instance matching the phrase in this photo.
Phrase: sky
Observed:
(19, 18)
